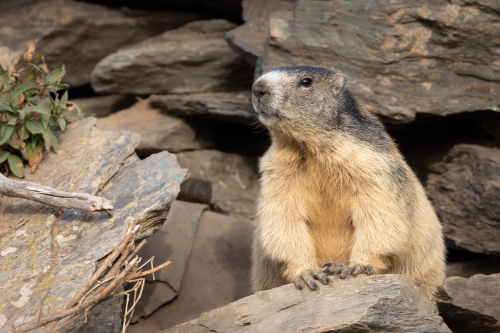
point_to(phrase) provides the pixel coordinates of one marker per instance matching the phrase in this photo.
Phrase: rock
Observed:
(232, 106)
(228, 182)
(376, 303)
(402, 57)
(191, 59)
(8, 58)
(218, 273)
(469, 268)
(173, 242)
(78, 34)
(250, 38)
(466, 195)
(471, 305)
(48, 255)
(103, 106)
(158, 131)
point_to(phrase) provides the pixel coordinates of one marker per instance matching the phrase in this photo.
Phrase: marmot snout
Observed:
(335, 191)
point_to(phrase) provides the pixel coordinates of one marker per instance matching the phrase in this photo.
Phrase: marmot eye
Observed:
(306, 82)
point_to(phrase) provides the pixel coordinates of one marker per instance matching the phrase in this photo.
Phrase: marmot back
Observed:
(335, 191)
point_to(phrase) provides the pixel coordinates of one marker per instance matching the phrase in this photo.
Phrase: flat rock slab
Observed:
(48, 255)
(228, 182)
(78, 34)
(192, 59)
(466, 195)
(218, 273)
(402, 57)
(103, 106)
(158, 131)
(378, 303)
(470, 305)
(231, 106)
(173, 242)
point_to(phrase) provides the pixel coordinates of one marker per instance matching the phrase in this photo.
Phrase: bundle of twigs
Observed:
(120, 268)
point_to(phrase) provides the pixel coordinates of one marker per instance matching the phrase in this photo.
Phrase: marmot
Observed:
(335, 191)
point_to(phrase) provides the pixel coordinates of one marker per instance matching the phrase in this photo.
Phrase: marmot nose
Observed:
(259, 93)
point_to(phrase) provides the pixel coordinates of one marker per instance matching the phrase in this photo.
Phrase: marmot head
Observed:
(300, 98)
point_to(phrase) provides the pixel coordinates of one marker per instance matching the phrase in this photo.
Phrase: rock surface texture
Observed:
(228, 182)
(48, 255)
(218, 273)
(158, 131)
(194, 58)
(173, 242)
(402, 57)
(471, 305)
(103, 106)
(377, 303)
(232, 106)
(466, 195)
(78, 34)
(250, 38)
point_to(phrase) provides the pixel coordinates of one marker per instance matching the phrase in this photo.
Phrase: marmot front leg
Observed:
(344, 271)
(307, 277)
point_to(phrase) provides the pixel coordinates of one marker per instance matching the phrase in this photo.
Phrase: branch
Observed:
(52, 197)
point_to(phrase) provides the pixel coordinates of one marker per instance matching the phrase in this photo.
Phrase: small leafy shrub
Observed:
(30, 111)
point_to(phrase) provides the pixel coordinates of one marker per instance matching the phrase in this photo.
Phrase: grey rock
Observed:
(466, 195)
(469, 268)
(78, 34)
(231, 106)
(250, 38)
(402, 57)
(103, 106)
(471, 305)
(217, 274)
(228, 182)
(192, 59)
(158, 131)
(48, 253)
(377, 303)
(173, 242)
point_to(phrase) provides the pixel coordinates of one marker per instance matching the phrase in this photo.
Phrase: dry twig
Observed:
(95, 292)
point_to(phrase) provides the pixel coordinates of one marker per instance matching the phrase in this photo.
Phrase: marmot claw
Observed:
(344, 271)
(308, 277)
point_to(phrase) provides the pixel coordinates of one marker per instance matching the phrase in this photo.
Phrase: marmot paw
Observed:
(344, 271)
(307, 279)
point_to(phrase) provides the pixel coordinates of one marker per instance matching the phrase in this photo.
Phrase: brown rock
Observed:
(172, 243)
(228, 182)
(48, 255)
(469, 268)
(402, 57)
(78, 34)
(158, 131)
(103, 106)
(250, 38)
(377, 303)
(232, 106)
(466, 197)
(471, 305)
(191, 59)
(217, 274)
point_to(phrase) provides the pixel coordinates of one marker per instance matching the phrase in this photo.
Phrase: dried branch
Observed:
(95, 292)
(52, 197)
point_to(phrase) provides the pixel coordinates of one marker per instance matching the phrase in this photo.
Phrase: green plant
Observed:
(30, 111)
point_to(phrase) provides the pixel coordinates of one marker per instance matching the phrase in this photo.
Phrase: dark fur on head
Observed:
(288, 106)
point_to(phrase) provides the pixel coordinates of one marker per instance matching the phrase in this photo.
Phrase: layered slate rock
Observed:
(377, 303)
(191, 59)
(228, 182)
(158, 131)
(466, 195)
(250, 38)
(402, 57)
(47, 254)
(231, 106)
(218, 273)
(173, 242)
(103, 106)
(78, 34)
(471, 305)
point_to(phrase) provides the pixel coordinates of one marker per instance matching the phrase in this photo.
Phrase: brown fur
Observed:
(334, 188)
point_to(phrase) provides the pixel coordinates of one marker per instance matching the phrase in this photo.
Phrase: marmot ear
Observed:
(339, 83)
